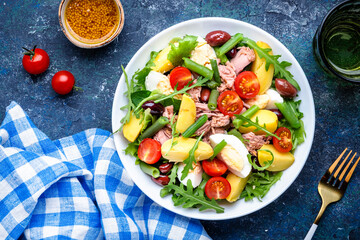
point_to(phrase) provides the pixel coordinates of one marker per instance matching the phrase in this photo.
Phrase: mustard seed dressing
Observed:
(92, 20)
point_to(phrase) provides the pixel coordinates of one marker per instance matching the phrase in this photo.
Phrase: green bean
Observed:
(289, 114)
(154, 128)
(150, 170)
(237, 134)
(195, 126)
(212, 84)
(248, 114)
(214, 67)
(218, 148)
(200, 69)
(223, 58)
(212, 104)
(230, 44)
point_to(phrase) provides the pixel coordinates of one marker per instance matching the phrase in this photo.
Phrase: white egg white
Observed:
(155, 80)
(194, 175)
(274, 98)
(234, 152)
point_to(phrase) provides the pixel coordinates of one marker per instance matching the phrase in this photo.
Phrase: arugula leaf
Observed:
(187, 198)
(172, 102)
(130, 106)
(259, 184)
(173, 174)
(249, 123)
(267, 163)
(138, 96)
(174, 134)
(132, 148)
(191, 158)
(279, 67)
(181, 49)
(140, 75)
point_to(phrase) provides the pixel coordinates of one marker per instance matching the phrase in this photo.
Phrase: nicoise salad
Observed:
(213, 119)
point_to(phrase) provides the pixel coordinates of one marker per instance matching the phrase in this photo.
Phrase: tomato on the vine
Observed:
(217, 188)
(149, 151)
(214, 168)
(247, 85)
(180, 76)
(285, 144)
(35, 61)
(229, 103)
(63, 82)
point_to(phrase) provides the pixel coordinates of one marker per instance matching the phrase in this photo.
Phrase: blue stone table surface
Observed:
(30, 22)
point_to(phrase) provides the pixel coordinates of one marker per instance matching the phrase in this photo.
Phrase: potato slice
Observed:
(281, 161)
(266, 117)
(162, 63)
(187, 114)
(180, 151)
(258, 67)
(131, 130)
(237, 186)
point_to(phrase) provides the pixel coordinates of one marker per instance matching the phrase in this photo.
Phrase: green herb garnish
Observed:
(249, 123)
(267, 163)
(174, 134)
(190, 159)
(279, 67)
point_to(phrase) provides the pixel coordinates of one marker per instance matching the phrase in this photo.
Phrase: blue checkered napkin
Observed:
(75, 188)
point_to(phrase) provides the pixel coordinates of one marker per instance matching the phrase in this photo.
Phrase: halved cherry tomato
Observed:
(229, 103)
(247, 85)
(285, 144)
(214, 168)
(149, 151)
(180, 76)
(217, 188)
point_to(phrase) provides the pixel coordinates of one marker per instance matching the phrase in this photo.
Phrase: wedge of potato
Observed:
(281, 161)
(180, 150)
(258, 67)
(132, 129)
(237, 186)
(187, 114)
(266, 117)
(162, 64)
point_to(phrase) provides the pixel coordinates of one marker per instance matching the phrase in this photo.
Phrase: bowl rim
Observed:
(309, 135)
(90, 45)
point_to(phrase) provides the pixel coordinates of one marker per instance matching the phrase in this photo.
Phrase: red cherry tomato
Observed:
(35, 61)
(149, 151)
(181, 76)
(214, 168)
(229, 103)
(285, 144)
(63, 82)
(217, 188)
(247, 85)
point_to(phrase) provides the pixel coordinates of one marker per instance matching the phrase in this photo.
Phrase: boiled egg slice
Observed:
(194, 175)
(274, 97)
(234, 154)
(202, 53)
(155, 80)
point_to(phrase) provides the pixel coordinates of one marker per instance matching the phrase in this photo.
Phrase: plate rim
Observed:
(309, 135)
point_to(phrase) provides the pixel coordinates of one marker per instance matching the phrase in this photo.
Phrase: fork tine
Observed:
(346, 168)
(332, 167)
(347, 179)
(342, 164)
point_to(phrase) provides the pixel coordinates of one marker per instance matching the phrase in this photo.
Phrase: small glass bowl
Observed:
(83, 44)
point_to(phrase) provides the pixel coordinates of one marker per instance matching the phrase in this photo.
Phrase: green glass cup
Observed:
(336, 43)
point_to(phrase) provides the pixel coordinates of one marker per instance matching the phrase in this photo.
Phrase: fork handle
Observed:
(311, 232)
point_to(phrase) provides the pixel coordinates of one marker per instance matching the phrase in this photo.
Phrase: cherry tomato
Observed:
(285, 144)
(247, 85)
(63, 82)
(181, 76)
(229, 103)
(149, 151)
(214, 168)
(35, 61)
(217, 188)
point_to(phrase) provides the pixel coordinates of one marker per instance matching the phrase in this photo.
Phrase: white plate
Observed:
(201, 27)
